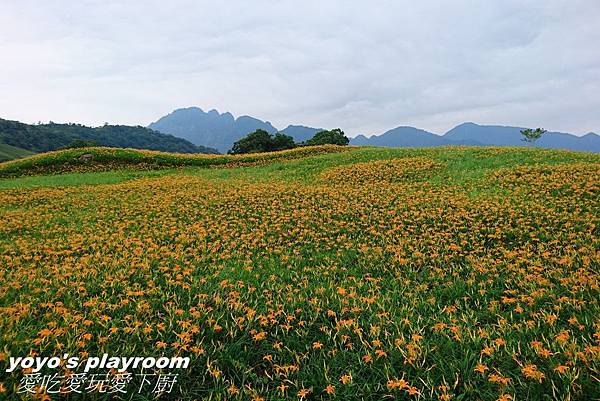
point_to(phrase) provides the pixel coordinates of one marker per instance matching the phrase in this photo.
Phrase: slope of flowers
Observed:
(287, 290)
(383, 171)
(105, 159)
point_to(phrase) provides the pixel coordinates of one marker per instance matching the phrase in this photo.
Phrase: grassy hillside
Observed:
(52, 136)
(8, 152)
(446, 273)
(97, 159)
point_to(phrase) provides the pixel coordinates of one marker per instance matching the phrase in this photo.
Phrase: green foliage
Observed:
(51, 136)
(332, 137)
(530, 135)
(81, 143)
(261, 141)
(282, 142)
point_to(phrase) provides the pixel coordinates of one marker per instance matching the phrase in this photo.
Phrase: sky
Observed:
(364, 66)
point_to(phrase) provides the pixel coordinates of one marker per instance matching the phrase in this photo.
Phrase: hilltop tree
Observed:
(80, 143)
(261, 141)
(282, 141)
(335, 137)
(530, 135)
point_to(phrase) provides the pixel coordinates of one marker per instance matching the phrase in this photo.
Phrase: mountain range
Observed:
(191, 130)
(471, 134)
(409, 137)
(511, 136)
(211, 128)
(220, 131)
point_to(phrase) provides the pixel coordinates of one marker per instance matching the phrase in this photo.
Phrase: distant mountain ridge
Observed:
(497, 135)
(471, 134)
(222, 130)
(51, 136)
(408, 137)
(211, 128)
(300, 133)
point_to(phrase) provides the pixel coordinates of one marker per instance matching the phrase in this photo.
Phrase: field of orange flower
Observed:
(371, 274)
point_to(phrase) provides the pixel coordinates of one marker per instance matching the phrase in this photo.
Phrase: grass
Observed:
(446, 273)
(8, 152)
(97, 159)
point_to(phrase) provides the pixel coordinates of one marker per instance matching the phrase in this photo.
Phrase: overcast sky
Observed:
(364, 66)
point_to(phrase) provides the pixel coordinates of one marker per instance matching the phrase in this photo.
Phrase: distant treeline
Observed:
(52, 136)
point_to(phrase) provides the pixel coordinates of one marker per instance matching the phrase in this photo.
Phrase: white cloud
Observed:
(365, 67)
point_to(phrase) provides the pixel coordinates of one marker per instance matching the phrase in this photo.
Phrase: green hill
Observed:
(8, 152)
(52, 136)
(96, 159)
